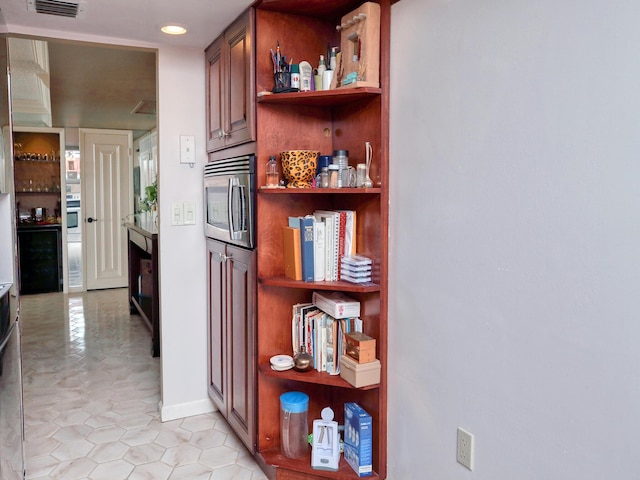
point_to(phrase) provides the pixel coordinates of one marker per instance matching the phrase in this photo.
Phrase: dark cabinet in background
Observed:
(40, 254)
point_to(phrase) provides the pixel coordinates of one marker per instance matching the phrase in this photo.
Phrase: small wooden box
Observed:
(357, 374)
(360, 347)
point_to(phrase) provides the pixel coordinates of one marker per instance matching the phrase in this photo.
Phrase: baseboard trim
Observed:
(188, 409)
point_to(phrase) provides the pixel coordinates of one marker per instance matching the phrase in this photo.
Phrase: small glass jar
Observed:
(334, 176)
(272, 173)
(323, 178)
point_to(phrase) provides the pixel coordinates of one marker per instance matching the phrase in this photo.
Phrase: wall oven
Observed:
(229, 200)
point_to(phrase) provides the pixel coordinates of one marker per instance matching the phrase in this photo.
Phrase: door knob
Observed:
(89, 220)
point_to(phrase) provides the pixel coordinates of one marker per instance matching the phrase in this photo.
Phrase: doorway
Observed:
(108, 199)
(90, 86)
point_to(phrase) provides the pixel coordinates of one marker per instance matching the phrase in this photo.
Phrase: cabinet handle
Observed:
(222, 257)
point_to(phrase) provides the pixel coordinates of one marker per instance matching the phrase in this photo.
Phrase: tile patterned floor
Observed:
(91, 391)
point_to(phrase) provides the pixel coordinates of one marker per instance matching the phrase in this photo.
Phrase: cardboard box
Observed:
(359, 374)
(358, 439)
(360, 347)
(336, 304)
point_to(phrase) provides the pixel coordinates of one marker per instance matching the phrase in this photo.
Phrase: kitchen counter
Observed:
(144, 295)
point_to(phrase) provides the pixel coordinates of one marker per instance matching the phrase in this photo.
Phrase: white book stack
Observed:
(356, 269)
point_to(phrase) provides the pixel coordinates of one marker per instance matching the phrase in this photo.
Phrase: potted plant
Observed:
(150, 200)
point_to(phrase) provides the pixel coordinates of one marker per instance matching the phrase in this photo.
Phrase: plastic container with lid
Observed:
(294, 424)
(334, 176)
(341, 159)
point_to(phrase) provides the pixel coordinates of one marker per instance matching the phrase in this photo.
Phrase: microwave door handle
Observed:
(230, 205)
(234, 230)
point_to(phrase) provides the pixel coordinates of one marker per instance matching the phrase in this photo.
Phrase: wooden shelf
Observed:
(302, 466)
(322, 98)
(342, 286)
(317, 191)
(314, 376)
(316, 8)
(20, 192)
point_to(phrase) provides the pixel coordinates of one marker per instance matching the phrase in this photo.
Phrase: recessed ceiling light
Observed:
(174, 30)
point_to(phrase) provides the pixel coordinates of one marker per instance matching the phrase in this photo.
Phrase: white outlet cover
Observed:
(464, 450)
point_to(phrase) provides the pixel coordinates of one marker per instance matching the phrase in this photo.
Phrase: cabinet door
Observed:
(215, 84)
(239, 95)
(216, 327)
(241, 294)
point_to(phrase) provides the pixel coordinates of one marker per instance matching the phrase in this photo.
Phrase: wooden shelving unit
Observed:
(344, 118)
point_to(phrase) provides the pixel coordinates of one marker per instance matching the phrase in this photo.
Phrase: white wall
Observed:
(181, 111)
(515, 220)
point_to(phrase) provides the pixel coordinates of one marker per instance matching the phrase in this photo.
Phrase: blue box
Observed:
(358, 439)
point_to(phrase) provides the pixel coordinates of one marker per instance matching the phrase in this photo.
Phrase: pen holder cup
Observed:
(282, 82)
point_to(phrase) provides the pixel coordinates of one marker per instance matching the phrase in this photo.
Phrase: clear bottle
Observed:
(323, 178)
(334, 174)
(341, 159)
(273, 177)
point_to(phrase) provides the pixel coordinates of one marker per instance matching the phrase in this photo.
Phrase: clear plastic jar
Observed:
(334, 176)
(294, 424)
(341, 159)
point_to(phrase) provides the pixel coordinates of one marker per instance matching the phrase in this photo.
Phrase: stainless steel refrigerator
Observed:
(11, 413)
(11, 410)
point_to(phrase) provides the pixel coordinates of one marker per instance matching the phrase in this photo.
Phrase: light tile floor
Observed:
(91, 392)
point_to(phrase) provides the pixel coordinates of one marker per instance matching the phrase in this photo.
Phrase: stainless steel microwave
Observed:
(229, 200)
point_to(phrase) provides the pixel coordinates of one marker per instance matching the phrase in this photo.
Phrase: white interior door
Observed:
(108, 198)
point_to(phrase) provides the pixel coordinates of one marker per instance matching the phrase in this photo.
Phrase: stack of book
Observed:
(356, 269)
(321, 333)
(315, 244)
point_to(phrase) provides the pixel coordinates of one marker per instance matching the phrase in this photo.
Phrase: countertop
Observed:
(39, 226)
(147, 229)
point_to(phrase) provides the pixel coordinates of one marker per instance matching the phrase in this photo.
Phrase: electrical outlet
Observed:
(464, 453)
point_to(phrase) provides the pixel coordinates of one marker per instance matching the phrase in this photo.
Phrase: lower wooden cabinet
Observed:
(231, 333)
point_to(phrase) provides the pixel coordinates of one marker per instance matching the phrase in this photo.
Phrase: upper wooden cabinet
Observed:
(230, 86)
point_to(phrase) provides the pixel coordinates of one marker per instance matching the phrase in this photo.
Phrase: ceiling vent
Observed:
(60, 8)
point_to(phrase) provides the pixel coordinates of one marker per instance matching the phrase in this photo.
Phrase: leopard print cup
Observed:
(299, 167)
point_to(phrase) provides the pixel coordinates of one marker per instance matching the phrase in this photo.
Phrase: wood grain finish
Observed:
(230, 86)
(325, 121)
(231, 341)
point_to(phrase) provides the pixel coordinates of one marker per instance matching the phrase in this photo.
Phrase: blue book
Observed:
(307, 251)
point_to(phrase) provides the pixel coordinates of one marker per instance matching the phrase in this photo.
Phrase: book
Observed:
(332, 233)
(350, 232)
(307, 253)
(291, 252)
(319, 249)
(342, 219)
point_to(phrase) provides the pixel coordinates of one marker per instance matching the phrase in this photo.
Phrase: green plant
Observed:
(150, 197)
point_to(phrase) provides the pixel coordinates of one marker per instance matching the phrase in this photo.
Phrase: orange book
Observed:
(291, 250)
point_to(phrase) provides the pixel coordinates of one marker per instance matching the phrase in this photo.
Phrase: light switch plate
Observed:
(187, 149)
(189, 209)
(177, 214)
